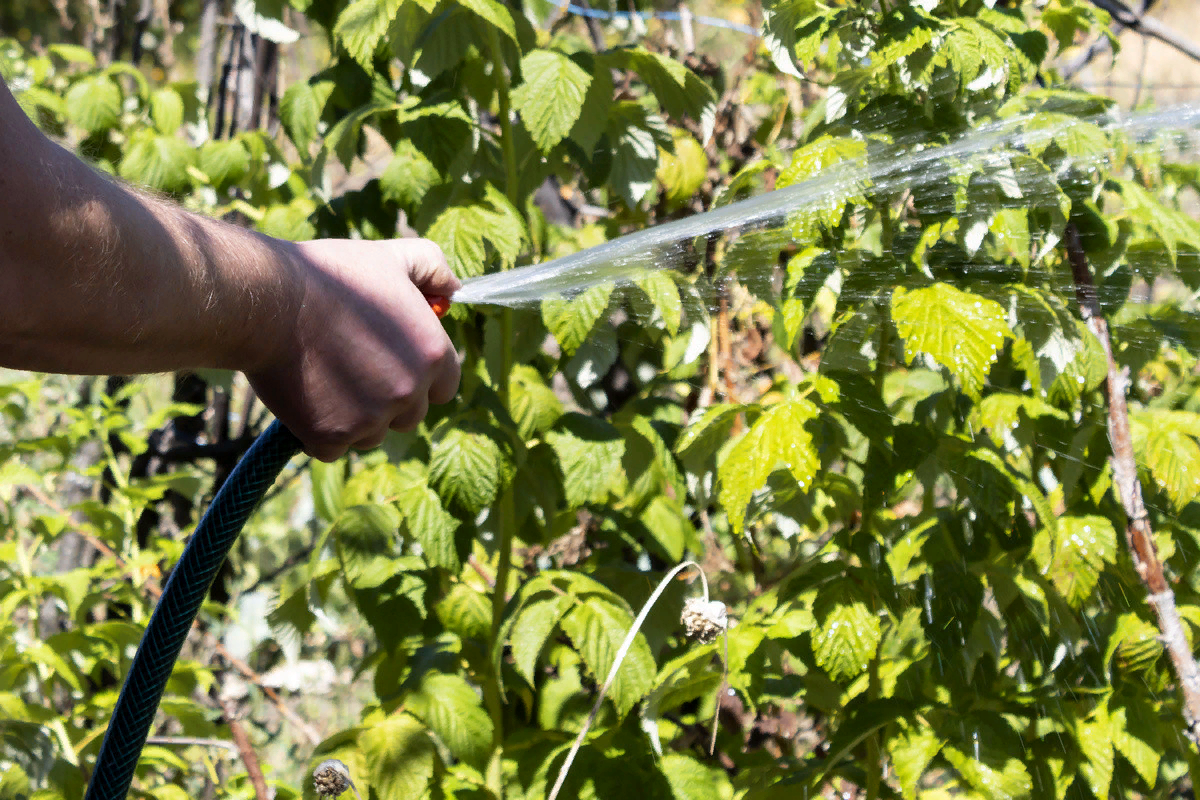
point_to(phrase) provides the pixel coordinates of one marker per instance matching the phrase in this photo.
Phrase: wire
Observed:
(671, 16)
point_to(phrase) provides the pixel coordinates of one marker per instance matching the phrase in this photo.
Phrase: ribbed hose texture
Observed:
(181, 598)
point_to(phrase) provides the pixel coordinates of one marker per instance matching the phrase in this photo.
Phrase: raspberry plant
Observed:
(880, 425)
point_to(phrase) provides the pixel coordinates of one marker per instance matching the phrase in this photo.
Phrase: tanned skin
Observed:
(336, 336)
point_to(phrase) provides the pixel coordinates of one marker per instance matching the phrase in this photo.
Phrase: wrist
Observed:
(272, 283)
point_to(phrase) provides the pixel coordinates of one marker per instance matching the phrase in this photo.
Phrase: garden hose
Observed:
(181, 598)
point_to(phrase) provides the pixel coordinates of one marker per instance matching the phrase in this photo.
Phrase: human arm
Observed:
(336, 337)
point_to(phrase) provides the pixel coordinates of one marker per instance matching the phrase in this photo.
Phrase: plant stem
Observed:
(506, 514)
(507, 145)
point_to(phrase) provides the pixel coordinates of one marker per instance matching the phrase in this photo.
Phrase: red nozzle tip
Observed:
(440, 304)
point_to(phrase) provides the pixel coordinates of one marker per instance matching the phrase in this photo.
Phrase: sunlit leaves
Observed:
(453, 711)
(225, 162)
(157, 162)
(425, 519)
(1166, 443)
(777, 440)
(464, 231)
(494, 13)
(300, 110)
(551, 96)
(1000, 777)
(408, 176)
(470, 464)
(597, 629)
(572, 320)
(532, 403)
(589, 454)
(912, 748)
(166, 110)
(361, 27)
(683, 171)
(1072, 553)
(960, 331)
(847, 633)
(399, 756)
(94, 103)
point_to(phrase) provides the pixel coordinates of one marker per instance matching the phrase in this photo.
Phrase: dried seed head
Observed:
(331, 778)
(702, 620)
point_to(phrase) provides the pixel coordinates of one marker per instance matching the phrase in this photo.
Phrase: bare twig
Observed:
(1138, 534)
(1149, 26)
(1101, 45)
(191, 741)
(246, 751)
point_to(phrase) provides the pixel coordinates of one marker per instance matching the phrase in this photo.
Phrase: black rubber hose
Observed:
(176, 610)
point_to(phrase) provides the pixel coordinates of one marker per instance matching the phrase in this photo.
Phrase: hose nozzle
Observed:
(439, 303)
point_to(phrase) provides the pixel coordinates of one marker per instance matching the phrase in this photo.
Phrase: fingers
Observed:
(427, 267)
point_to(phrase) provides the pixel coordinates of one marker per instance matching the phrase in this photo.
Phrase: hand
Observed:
(363, 352)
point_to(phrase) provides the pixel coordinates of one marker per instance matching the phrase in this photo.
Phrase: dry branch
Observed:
(246, 751)
(1138, 534)
(1126, 17)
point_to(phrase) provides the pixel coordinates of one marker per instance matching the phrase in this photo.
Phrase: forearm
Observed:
(95, 278)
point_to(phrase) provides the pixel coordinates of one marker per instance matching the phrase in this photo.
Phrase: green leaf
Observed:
(408, 176)
(550, 96)
(1072, 553)
(453, 711)
(660, 289)
(427, 521)
(289, 221)
(94, 103)
(589, 454)
(158, 162)
(365, 537)
(691, 780)
(532, 627)
(469, 464)
(300, 110)
(912, 748)
(679, 90)
(494, 13)
(399, 756)
(1164, 441)
(361, 26)
(818, 157)
(597, 628)
(848, 632)
(637, 135)
(778, 440)
(462, 230)
(225, 162)
(73, 54)
(1001, 413)
(571, 321)
(166, 109)
(465, 612)
(328, 484)
(1093, 736)
(683, 171)
(961, 331)
(1135, 736)
(457, 230)
(533, 405)
(1000, 777)
(707, 432)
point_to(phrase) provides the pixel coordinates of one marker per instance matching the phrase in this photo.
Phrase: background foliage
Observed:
(880, 426)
